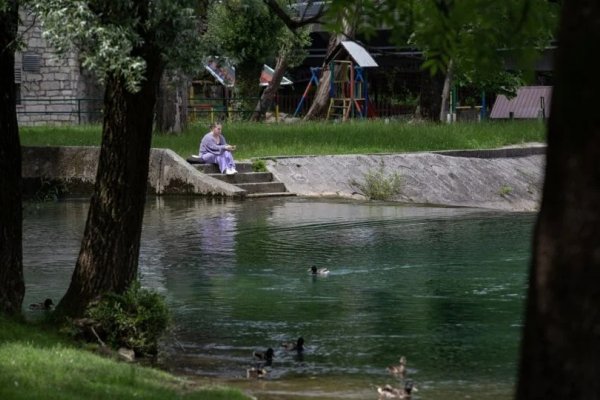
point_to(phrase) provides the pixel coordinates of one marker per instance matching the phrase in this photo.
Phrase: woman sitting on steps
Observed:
(215, 150)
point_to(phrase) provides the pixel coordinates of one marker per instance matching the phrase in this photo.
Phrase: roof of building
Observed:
(355, 51)
(530, 102)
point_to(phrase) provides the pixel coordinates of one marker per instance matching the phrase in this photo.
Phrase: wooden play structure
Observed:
(348, 91)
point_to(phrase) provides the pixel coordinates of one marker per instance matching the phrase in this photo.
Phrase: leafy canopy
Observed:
(477, 35)
(249, 32)
(106, 34)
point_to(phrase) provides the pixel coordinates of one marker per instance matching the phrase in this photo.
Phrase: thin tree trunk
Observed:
(430, 98)
(445, 106)
(247, 77)
(270, 92)
(12, 286)
(560, 351)
(108, 258)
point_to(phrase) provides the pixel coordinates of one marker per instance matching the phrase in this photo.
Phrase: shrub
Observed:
(135, 319)
(259, 165)
(377, 185)
(49, 190)
(505, 190)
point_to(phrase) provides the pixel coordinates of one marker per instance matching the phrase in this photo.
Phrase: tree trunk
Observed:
(266, 100)
(247, 77)
(320, 102)
(445, 102)
(172, 104)
(560, 352)
(108, 258)
(430, 98)
(12, 286)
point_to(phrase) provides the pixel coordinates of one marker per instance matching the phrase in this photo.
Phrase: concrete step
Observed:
(241, 167)
(262, 187)
(256, 184)
(273, 194)
(245, 177)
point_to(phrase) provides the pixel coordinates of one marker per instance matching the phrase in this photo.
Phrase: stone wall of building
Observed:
(53, 89)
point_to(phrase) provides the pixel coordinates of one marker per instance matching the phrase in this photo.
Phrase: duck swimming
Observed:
(399, 369)
(47, 305)
(389, 392)
(318, 271)
(264, 356)
(256, 373)
(291, 346)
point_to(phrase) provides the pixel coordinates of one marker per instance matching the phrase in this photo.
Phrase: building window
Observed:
(32, 62)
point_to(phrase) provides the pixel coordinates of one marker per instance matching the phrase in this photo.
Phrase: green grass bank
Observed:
(255, 140)
(37, 363)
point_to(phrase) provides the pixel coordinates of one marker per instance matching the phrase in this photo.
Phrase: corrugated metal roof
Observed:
(358, 54)
(527, 104)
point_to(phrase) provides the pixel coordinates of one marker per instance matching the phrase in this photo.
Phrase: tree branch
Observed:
(292, 23)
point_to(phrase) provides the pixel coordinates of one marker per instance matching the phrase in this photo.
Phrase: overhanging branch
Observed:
(295, 23)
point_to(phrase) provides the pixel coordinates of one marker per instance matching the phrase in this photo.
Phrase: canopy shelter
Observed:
(224, 73)
(349, 49)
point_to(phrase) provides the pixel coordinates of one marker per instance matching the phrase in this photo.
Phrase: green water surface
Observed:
(443, 286)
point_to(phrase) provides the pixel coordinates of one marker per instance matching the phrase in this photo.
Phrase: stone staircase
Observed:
(256, 184)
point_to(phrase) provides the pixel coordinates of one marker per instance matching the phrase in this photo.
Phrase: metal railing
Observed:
(224, 109)
(89, 110)
(79, 110)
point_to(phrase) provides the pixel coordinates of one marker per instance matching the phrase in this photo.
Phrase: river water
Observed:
(444, 287)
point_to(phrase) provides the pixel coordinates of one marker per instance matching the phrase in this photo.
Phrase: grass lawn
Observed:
(256, 140)
(36, 363)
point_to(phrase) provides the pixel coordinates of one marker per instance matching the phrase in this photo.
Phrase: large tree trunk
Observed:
(269, 94)
(12, 287)
(108, 258)
(560, 350)
(172, 104)
(320, 102)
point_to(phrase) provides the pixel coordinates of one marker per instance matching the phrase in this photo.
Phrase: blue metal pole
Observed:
(313, 80)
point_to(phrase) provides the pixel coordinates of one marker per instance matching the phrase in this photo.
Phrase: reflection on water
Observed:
(444, 287)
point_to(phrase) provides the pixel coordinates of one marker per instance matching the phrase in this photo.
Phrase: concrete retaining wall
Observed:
(505, 179)
(74, 167)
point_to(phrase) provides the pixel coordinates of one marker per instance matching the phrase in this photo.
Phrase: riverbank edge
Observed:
(35, 358)
(508, 178)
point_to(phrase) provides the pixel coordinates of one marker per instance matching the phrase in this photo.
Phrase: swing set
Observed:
(348, 92)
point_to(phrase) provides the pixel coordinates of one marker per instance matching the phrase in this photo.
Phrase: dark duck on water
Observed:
(298, 346)
(46, 305)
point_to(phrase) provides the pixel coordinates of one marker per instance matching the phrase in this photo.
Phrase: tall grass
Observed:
(38, 364)
(318, 138)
